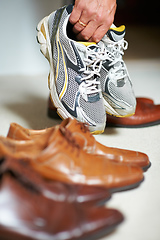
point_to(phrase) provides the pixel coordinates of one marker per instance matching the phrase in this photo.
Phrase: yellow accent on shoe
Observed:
(119, 29)
(87, 43)
(120, 116)
(43, 31)
(97, 132)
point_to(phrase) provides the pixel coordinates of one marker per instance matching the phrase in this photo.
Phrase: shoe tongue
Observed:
(116, 33)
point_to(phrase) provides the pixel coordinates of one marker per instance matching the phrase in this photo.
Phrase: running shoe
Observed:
(117, 89)
(74, 78)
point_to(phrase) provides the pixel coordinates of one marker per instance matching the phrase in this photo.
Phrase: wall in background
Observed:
(19, 50)
(138, 12)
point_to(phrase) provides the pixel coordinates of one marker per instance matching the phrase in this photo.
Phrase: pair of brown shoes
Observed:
(32, 208)
(86, 142)
(69, 153)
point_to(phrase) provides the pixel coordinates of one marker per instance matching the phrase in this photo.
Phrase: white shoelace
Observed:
(93, 60)
(114, 52)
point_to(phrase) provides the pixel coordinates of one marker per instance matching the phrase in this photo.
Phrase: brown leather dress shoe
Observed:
(25, 214)
(147, 114)
(24, 149)
(61, 158)
(64, 160)
(86, 141)
(55, 190)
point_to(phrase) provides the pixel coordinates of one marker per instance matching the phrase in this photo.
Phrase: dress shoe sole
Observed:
(100, 234)
(146, 167)
(53, 114)
(11, 235)
(102, 202)
(125, 188)
(149, 124)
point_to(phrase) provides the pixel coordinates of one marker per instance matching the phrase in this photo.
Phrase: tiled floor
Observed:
(24, 100)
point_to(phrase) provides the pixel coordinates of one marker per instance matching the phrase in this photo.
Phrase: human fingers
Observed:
(103, 28)
(92, 20)
(82, 13)
(75, 14)
(96, 28)
(87, 31)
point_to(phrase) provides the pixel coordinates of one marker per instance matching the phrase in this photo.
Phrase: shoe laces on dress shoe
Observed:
(69, 137)
(83, 126)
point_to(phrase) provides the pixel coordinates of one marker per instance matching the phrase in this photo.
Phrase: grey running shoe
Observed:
(117, 90)
(74, 78)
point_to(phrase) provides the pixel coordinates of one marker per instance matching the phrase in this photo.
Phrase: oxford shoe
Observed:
(55, 190)
(18, 132)
(22, 148)
(147, 114)
(86, 141)
(64, 160)
(26, 214)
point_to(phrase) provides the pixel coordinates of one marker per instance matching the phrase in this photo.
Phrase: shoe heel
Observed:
(42, 37)
(45, 48)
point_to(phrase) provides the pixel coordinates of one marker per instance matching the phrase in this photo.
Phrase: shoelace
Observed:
(114, 53)
(83, 126)
(69, 138)
(93, 60)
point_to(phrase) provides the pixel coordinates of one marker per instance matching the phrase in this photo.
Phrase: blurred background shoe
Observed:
(147, 114)
(26, 214)
(52, 189)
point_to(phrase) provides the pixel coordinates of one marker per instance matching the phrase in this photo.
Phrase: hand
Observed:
(91, 19)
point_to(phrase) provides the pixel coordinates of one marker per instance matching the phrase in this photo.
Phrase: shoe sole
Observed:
(46, 49)
(150, 124)
(9, 233)
(99, 234)
(125, 188)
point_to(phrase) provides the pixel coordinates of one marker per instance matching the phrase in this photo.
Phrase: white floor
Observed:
(23, 99)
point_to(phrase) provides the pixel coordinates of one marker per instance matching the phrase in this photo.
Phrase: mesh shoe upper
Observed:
(76, 74)
(119, 98)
